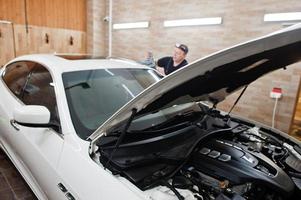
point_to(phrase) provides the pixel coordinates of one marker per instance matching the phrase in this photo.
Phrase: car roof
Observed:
(57, 64)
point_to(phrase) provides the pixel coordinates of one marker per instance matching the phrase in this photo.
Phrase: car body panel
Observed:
(46, 158)
(33, 148)
(84, 179)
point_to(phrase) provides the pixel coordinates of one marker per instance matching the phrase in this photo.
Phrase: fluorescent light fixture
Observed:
(193, 22)
(278, 17)
(131, 25)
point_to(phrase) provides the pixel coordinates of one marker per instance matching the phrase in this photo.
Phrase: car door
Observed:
(36, 150)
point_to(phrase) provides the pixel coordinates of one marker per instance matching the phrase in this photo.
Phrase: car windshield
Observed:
(94, 95)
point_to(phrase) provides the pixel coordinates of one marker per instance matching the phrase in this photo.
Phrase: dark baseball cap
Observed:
(183, 47)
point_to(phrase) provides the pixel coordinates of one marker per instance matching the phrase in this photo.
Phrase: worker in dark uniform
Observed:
(167, 65)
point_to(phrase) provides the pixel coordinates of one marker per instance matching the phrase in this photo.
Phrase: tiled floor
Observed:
(12, 185)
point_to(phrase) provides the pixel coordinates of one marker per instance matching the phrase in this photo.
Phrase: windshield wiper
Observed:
(122, 135)
(26, 82)
(84, 85)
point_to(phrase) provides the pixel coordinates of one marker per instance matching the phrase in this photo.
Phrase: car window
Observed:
(95, 95)
(33, 85)
(15, 76)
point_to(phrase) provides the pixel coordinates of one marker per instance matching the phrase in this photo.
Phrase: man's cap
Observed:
(183, 47)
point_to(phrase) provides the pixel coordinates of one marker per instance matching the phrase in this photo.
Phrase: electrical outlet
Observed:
(276, 93)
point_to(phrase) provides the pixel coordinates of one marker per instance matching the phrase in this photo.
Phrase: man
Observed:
(167, 65)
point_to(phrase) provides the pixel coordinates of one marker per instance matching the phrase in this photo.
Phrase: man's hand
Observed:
(161, 70)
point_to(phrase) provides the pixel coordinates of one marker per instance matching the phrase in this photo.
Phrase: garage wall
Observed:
(6, 43)
(12, 10)
(66, 14)
(242, 20)
(46, 27)
(96, 27)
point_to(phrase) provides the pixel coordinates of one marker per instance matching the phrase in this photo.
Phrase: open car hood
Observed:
(216, 76)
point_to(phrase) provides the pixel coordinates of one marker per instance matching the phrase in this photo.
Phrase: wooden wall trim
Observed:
(66, 14)
(16, 41)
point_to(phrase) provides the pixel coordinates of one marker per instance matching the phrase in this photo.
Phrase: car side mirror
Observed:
(32, 116)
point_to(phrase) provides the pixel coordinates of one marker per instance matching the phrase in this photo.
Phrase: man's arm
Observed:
(161, 63)
(161, 70)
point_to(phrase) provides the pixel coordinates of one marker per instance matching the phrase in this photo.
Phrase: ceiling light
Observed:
(193, 22)
(131, 25)
(278, 17)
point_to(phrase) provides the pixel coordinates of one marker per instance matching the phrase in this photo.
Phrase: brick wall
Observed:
(96, 27)
(242, 20)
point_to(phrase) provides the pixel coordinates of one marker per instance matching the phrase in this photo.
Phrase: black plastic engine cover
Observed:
(226, 160)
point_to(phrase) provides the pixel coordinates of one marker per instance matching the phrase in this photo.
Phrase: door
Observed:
(36, 150)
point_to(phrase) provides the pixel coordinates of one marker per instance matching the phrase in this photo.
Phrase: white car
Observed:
(111, 129)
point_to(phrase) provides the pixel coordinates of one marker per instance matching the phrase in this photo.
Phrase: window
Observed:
(15, 76)
(32, 84)
(95, 95)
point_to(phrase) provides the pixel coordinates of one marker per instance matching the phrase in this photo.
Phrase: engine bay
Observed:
(205, 152)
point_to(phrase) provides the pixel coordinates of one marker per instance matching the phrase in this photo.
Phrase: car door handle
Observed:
(62, 187)
(14, 124)
(64, 190)
(69, 196)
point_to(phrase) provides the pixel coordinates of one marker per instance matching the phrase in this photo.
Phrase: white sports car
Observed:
(111, 129)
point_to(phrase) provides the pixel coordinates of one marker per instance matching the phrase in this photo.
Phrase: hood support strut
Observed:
(240, 95)
(122, 135)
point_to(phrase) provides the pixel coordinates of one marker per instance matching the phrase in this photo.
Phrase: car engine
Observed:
(203, 154)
